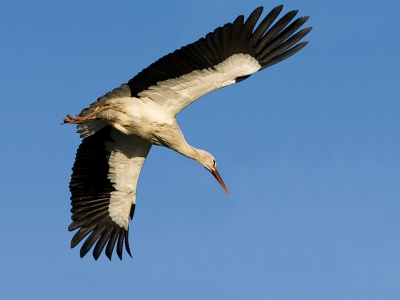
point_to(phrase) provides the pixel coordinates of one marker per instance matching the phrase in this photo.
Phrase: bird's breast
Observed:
(145, 120)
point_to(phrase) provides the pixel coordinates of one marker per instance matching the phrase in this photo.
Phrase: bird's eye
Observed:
(214, 163)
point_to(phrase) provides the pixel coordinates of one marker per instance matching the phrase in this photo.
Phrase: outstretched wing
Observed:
(225, 56)
(103, 188)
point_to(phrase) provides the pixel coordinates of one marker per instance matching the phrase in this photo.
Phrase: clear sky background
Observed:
(308, 148)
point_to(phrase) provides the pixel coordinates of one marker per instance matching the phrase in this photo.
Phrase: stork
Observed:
(119, 129)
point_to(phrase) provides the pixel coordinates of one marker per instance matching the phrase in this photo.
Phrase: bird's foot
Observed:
(74, 120)
(78, 119)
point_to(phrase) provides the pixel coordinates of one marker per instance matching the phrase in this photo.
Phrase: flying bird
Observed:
(119, 129)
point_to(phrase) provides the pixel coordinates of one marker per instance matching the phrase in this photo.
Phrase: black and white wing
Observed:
(103, 188)
(225, 56)
(108, 162)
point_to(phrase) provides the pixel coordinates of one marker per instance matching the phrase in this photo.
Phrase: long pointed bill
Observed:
(221, 182)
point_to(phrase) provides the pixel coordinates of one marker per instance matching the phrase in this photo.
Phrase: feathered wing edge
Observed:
(267, 44)
(91, 191)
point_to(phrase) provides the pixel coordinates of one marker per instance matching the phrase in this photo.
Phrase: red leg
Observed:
(78, 119)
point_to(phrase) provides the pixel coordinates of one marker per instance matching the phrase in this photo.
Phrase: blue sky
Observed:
(308, 148)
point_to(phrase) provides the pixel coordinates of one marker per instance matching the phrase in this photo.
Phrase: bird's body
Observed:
(119, 129)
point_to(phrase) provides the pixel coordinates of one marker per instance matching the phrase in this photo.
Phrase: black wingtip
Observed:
(120, 242)
(107, 234)
(127, 247)
(258, 10)
(83, 252)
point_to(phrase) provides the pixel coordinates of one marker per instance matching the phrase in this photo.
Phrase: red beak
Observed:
(221, 182)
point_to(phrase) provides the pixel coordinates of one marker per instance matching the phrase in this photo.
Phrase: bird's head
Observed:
(208, 162)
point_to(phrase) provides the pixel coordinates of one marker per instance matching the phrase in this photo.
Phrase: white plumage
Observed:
(173, 95)
(125, 162)
(119, 129)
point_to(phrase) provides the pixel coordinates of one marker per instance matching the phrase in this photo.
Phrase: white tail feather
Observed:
(89, 127)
